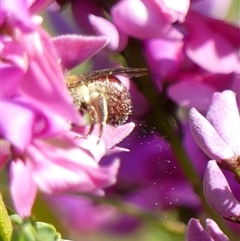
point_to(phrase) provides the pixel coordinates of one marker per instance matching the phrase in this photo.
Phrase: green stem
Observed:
(5, 222)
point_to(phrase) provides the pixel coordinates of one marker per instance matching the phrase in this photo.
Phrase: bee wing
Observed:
(131, 72)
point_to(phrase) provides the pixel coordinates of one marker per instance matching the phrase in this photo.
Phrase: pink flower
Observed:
(149, 177)
(199, 77)
(33, 86)
(219, 137)
(75, 49)
(211, 41)
(103, 27)
(38, 111)
(219, 133)
(149, 19)
(196, 89)
(219, 194)
(63, 163)
(80, 213)
(196, 232)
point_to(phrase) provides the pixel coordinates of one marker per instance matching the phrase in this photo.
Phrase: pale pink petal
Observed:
(115, 134)
(219, 194)
(195, 231)
(112, 135)
(207, 137)
(74, 49)
(223, 114)
(117, 39)
(22, 186)
(214, 231)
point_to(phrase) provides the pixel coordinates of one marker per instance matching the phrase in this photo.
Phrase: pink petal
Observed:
(226, 29)
(61, 167)
(40, 5)
(219, 194)
(5, 152)
(18, 131)
(223, 114)
(142, 19)
(114, 135)
(214, 231)
(81, 213)
(12, 74)
(179, 9)
(102, 26)
(212, 8)
(207, 137)
(192, 93)
(164, 62)
(17, 14)
(22, 187)
(81, 10)
(236, 88)
(221, 55)
(195, 231)
(44, 86)
(74, 49)
(86, 144)
(12, 67)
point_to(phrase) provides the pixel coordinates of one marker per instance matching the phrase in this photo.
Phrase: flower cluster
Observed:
(219, 137)
(37, 139)
(192, 55)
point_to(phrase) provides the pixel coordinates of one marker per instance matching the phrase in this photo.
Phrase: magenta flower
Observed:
(222, 50)
(219, 133)
(182, 61)
(173, 46)
(38, 111)
(196, 232)
(103, 27)
(149, 177)
(59, 164)
(218, 72)
(80, 213)
(33, 85)
(149, 19)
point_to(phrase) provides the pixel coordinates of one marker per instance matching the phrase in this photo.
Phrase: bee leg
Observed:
(99, 103)
(93, 119)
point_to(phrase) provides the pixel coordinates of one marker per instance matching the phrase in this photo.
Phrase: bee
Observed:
(103, 96)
